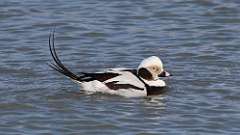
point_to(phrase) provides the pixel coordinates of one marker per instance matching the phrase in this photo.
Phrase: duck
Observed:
(145, 80)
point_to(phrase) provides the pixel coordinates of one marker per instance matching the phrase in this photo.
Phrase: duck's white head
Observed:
(151, 68)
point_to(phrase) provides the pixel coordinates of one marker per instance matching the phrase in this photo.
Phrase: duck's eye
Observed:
(155, 68)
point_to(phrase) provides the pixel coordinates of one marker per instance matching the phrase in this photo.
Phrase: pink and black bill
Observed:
(164, 74)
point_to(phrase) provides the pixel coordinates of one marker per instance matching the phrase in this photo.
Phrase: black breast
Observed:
(153, 90)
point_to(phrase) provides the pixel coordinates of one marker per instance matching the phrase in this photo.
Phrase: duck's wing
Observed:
(115, 86)
(125, 80)
(107, 74)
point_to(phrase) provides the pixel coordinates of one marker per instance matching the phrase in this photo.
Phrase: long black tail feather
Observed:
(58, 66)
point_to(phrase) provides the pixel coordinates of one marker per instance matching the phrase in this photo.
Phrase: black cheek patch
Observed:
(145, 74)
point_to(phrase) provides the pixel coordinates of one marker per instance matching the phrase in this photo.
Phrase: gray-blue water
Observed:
(198, 41)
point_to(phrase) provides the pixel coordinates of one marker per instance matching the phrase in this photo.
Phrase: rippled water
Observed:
(198, 40)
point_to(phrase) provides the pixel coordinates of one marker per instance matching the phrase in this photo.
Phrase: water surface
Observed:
(198, 41)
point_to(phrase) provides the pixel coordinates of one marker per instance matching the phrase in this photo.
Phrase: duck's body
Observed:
(125, 82)
(120, 82)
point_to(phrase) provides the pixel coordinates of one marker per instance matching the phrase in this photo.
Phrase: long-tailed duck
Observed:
(143, 81)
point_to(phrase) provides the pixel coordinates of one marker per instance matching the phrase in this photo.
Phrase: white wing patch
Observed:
(126, 78)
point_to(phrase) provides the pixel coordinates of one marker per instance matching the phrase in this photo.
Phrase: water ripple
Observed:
(197, 40)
